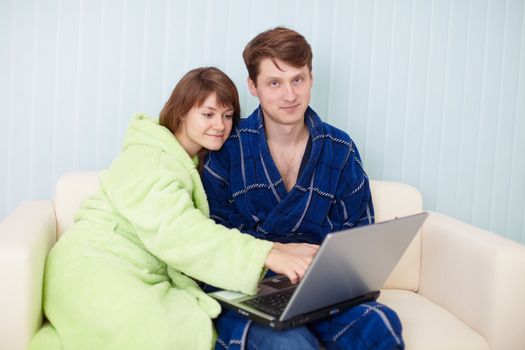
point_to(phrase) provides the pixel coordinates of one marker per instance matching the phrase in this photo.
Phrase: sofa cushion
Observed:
(428, 326)
(71, 189)
(386, 197)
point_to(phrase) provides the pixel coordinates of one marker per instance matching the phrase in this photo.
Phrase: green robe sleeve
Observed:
(157, 201)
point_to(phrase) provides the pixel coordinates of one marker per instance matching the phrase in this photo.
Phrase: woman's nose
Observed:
(219, 123)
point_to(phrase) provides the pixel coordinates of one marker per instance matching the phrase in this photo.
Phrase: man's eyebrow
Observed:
(302, 74)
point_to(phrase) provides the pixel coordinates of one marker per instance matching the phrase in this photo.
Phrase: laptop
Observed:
(350, 268)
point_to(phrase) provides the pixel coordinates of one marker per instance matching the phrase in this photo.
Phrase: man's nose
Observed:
(289, 93)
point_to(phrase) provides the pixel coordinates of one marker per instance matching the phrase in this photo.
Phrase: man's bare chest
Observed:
(288, 163)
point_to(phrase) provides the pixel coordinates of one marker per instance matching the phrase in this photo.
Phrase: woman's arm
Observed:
(159, 205)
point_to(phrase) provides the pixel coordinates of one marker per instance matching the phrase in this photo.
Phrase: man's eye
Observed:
(274, 83)
(298, 80)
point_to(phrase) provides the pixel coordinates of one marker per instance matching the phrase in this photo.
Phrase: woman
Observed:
(123, 276)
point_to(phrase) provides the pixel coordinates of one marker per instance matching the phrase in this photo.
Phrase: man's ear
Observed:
(311, 79)
(252, 87)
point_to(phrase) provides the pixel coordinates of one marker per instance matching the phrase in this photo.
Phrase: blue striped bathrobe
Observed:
(245, 190)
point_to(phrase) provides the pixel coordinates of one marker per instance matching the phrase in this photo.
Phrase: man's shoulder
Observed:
(245, 129)
(333, 130)
(334, 134)
(248, 123)
(239, 133)
(326, 130)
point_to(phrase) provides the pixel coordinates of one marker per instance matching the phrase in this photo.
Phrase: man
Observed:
(286, 176)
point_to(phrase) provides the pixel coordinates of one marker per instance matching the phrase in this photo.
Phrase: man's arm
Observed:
(353, 203)
(216, 180)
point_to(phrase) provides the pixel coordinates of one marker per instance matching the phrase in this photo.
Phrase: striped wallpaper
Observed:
(432, 91)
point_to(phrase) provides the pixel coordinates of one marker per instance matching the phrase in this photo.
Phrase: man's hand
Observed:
(291, 259)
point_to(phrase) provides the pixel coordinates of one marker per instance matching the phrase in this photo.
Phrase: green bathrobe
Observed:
(122, 277)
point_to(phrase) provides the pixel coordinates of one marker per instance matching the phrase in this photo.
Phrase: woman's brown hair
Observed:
(193, 89)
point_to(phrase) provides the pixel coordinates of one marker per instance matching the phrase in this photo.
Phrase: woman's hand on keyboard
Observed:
(293, 265)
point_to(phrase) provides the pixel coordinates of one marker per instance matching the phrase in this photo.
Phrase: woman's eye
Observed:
(228, 116)
(207, 115)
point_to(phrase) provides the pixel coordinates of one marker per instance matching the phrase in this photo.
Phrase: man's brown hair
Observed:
(193, 89)
(279, 43)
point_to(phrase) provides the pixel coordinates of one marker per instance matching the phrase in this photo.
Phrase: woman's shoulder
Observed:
(142, 164)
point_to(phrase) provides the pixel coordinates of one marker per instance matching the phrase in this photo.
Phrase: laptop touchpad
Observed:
(278, 282)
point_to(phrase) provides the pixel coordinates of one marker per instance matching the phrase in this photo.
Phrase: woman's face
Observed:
(207, 126)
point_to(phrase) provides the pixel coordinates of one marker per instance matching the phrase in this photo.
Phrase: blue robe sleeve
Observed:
(352, 205)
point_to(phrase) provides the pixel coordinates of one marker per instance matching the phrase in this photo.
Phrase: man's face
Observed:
(284, 93)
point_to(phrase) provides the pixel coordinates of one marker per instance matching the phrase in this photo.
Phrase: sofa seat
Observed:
(428, 326)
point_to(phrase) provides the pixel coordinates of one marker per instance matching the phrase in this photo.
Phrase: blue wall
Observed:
(433, 92)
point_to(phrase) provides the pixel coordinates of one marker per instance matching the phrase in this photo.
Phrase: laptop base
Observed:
(307, 318)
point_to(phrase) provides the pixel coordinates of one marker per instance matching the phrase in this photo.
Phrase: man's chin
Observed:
(293, 119)
(214, 147)
(293, 116)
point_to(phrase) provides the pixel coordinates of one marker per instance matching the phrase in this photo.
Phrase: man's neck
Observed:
(279, 134)
(287, 144)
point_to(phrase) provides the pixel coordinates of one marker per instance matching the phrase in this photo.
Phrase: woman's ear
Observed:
(179, 122)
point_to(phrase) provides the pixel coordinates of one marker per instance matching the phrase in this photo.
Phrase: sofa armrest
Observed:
(26, 236)
(476, 275)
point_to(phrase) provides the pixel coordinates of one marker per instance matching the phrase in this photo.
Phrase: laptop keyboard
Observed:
(272, 304)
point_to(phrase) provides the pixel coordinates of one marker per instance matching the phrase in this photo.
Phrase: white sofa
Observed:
(456, 287)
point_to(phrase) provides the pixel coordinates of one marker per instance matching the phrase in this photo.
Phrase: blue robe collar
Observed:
(314, 124)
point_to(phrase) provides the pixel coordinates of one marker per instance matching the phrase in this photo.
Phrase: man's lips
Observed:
(290, 107)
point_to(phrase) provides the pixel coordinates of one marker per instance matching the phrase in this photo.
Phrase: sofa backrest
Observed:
(391, 199)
